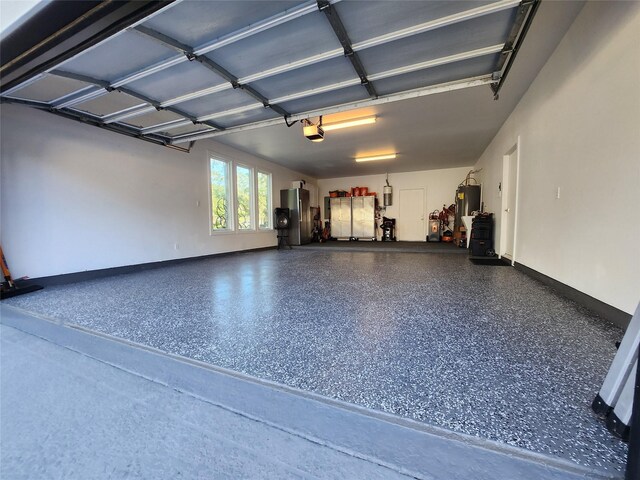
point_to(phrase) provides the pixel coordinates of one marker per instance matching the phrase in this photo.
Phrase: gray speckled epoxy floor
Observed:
(477, 349)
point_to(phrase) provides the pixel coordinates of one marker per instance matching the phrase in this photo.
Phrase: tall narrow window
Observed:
(264, 200)
(220, 195)
(244, 194)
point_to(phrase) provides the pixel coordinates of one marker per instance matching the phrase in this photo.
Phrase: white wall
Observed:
(579, 128)
(78, 198)
(440, 187)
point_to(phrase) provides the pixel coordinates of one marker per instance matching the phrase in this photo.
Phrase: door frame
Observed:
(505, 201)
(424, 209)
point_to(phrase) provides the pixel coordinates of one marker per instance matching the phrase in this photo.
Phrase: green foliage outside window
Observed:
(264, 197)
(246, 185)
(219, 195)
(245, 197)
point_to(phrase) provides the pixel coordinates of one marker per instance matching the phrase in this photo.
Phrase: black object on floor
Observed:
(481, 243)
(15, 290)
(388, 228)
(9, 288)
(483, 260)
(282, 222)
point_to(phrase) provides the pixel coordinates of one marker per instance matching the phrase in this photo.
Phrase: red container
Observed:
(355, 191)
(364, 191)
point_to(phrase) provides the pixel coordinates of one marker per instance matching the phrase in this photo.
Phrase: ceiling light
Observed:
(391, 156)
(349, 123)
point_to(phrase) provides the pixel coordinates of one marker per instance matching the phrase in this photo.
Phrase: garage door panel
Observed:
(455, 39)
(295, 40)
(344, 95)
(196, 22)
(292, 59)
(181, 79)
(49, 88)
(191, 128)
(307, 78)
(433, 76)
(122, 55)
(364, 19)
(218, 102)
(243, 118)
(152, 118)
(109, 103)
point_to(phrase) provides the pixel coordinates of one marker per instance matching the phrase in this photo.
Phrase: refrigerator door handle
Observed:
(300, 209)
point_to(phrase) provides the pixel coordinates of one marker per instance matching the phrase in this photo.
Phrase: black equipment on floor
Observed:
(9, 288)
(481, 244)
(281, 221)
(388, 228)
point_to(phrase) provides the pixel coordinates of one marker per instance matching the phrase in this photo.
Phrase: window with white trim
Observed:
(264, 200)
(244, 198)
(219, 181)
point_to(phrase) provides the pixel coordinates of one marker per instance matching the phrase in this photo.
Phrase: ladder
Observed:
(614, 401)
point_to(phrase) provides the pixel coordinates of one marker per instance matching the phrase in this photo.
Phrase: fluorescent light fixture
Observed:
(349, 123)
(391, 156)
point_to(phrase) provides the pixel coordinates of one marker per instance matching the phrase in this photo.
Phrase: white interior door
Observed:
(510, 195)
(410, 225)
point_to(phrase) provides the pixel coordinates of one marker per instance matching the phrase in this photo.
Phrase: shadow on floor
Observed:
(368, 246)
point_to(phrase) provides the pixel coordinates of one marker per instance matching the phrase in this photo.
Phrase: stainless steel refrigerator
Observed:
(300, 225)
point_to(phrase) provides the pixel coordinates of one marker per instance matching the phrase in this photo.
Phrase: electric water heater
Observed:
(387, 191)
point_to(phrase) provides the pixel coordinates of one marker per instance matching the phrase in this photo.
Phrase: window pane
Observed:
(264, 200)
(245, 198)
(219, 195)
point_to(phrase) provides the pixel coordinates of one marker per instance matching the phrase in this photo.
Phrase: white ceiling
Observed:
(233, 69)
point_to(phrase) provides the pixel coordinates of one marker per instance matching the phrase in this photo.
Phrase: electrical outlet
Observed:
(176, 246)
